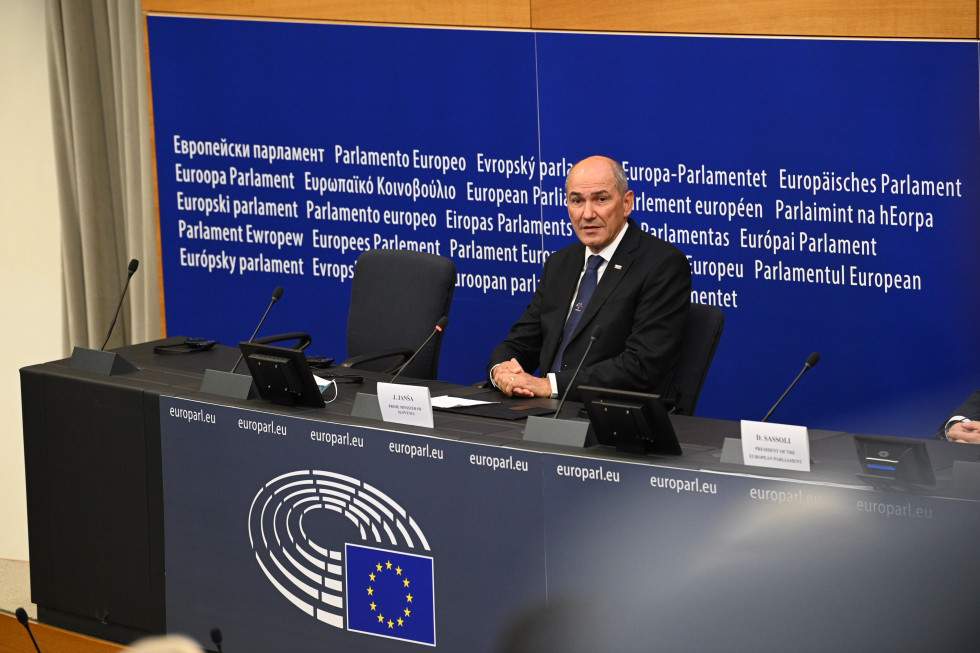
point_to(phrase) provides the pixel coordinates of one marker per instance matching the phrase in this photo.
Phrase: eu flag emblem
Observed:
(390, 594)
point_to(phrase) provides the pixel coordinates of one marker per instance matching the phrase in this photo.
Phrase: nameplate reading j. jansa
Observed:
(775, 445)
(405, 404)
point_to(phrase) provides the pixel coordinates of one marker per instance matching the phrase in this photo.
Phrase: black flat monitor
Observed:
(894, 462)
(282, 375)
(636, 422)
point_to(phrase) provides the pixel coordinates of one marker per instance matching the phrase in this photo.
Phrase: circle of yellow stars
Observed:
(380, 569)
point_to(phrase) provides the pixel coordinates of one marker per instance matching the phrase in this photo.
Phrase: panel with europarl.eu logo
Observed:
(390, 594)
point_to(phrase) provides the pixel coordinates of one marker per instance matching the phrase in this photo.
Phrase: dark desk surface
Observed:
(833, 457)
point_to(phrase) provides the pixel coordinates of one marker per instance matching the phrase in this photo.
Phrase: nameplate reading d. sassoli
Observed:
(405, 404)
(775, 445)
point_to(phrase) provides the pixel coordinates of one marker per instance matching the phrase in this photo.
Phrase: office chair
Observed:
(704, 326)
(397, 296)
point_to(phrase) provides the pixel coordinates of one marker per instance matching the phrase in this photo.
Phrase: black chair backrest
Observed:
(704, 326)
(397, 296)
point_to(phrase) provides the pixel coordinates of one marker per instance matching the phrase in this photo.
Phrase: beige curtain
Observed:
(105, 170)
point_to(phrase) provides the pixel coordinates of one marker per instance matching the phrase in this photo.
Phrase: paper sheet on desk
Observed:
(445, 401)
(512, 410)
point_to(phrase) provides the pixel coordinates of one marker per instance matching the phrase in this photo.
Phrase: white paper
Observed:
(405, 404)
(445, 401)
(779, 446)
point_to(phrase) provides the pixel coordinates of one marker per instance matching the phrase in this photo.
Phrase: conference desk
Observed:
(154, 507)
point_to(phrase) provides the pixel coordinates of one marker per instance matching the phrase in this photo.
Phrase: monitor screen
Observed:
(630, 421)
(282, 375)
(894, 461)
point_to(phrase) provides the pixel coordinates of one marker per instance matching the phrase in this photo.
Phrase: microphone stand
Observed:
(25, 622)
(366, 404)
(230, 384)
(276, 294)
(812, 360)
(99, 361)
(439, 328)
(731, 451)
(562, 431)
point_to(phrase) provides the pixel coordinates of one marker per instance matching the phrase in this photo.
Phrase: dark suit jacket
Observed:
(970, 409)
(641, 303)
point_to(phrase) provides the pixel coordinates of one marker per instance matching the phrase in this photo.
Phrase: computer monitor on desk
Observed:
(894, 462)
(630, 421)
(282, 375)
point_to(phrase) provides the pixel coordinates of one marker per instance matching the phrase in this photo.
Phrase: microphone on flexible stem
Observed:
(564, 432)
(439, 328)
(133, 264)
(216, 638)
(22, 618)
(596, 332)
(276, 294)
(812, 360)
(100, 361)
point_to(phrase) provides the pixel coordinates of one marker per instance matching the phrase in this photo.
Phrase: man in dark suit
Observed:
(964, 424)
(638, 290)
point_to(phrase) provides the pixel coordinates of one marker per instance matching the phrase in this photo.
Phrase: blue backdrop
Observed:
(764, 160)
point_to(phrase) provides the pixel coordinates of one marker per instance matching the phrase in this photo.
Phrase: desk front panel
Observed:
(588, 551)
(260, 508)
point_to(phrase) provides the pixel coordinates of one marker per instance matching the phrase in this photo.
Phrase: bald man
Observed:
(636, 286)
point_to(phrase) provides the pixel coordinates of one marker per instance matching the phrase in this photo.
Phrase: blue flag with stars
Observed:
(390, 594)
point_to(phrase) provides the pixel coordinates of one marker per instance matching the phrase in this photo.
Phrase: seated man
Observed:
(636, 286)
(964, 424)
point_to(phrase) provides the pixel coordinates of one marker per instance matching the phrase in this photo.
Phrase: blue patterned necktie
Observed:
(585, 289)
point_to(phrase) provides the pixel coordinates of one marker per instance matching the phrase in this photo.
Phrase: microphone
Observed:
(133, 264)
(812, 360)
(22, 618)
(216, 638)
(276, 294)
(440, 326)
(596, 332)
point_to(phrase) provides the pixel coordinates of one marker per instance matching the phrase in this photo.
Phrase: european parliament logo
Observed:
(382, 584)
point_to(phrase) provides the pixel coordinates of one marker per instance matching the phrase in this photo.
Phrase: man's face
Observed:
(597, 209)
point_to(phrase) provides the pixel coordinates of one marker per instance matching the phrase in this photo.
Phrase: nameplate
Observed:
(779, 446)
(405, 404)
